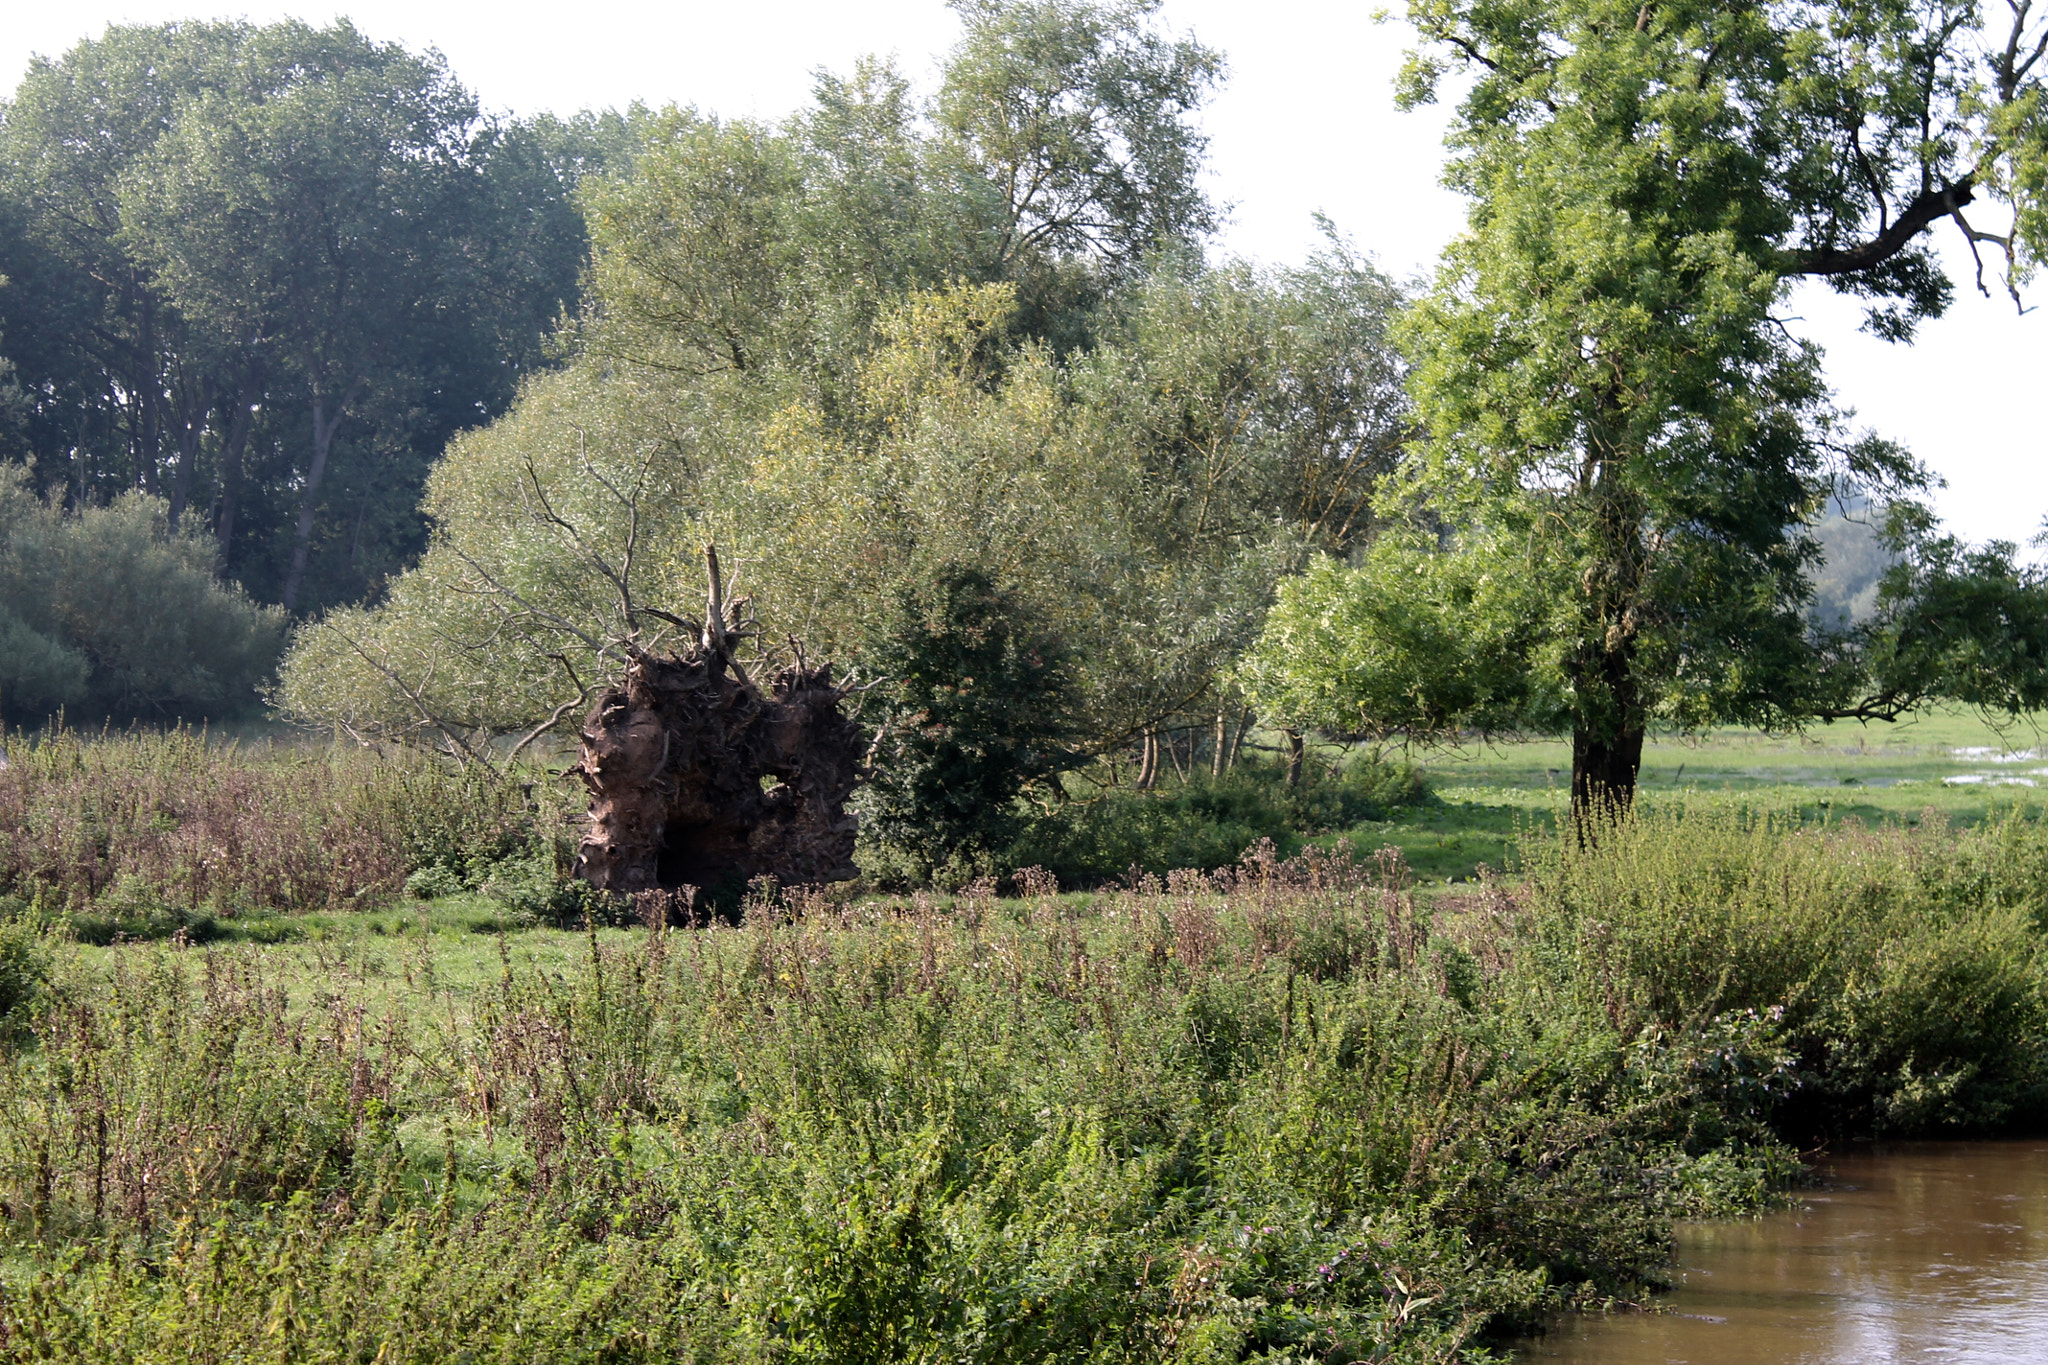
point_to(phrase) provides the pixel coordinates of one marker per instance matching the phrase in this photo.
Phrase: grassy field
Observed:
(1951, 766)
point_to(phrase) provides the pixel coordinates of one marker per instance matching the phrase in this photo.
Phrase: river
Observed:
(1912, 1252)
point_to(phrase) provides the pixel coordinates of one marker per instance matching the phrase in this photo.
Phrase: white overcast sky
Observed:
(1306, 122)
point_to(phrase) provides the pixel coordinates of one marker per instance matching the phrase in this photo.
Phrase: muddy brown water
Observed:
(1915, 1252)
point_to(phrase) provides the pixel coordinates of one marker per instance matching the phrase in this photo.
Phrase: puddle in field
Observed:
(1915, 1252)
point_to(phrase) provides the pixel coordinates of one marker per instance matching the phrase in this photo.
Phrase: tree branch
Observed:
(1917, 217)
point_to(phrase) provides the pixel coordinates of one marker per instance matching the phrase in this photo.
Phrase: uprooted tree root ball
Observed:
(698, 778)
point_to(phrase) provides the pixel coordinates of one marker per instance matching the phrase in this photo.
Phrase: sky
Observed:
(1305, 124)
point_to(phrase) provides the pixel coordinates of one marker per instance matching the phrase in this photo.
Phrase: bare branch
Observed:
(1973, 236)
(554, 719)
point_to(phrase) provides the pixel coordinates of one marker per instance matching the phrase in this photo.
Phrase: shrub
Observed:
(1276, 1112)
(980, 707)
(1208, 823)
(1907, 964)
(107, 612)
(1240, 1117)
(24, 965)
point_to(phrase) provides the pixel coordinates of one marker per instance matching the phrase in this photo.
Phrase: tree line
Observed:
(264, 273)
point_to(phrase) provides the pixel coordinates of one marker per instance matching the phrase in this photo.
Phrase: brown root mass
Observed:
(698, 778)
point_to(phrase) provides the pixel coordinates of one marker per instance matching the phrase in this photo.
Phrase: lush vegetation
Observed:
(1276, 1113)
(1153, 570)
(263, 274)
(155, 834)
(108, 611)
(1606, 524)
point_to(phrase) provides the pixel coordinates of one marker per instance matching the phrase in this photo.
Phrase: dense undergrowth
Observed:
(1277, 1114)
(1207, 822)
(148, 834)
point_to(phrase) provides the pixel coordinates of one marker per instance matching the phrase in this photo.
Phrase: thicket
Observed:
(1278, 1113)
(148, 834)
(1907, 968)
(113, 611)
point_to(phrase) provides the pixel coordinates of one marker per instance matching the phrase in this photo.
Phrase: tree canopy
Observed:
(265, 272)
(859, 352)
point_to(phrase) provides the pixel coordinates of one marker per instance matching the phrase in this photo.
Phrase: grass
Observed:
(1950, 764)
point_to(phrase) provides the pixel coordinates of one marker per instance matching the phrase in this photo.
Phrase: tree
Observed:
(1614, 413)
(981, 707)
(111, 612)
(1073, 119)
(800, 345)
(129, 392)
(304, 205)
(164, 196)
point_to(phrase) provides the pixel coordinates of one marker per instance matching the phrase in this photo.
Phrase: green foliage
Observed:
(1211, 1121)
(24, 966)
(215, 232)
(1968, 624)
(1614, 417)
(1906, 968)
(110, 613)
(1103, 161)
(1270, 1113)
(855, 349)
(1208, 823)
(1410, 642)
(980, 707)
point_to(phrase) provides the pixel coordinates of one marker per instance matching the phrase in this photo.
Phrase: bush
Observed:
(1908, 965)
(980, 707)
(1208, 823)
(1273, 1113)
(106, 612)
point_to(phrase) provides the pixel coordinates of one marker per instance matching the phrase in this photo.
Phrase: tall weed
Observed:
(1906, 963)
(1263, 1114)
(163, 827)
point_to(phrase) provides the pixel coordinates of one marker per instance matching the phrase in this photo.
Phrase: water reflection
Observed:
(1917, 1252)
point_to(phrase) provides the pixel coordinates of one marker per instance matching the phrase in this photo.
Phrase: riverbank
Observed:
(1270, 1116)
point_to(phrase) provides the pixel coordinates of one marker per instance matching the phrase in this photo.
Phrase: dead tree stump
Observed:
(698, 777)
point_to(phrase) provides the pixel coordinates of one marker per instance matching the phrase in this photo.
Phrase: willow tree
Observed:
(1624, 446)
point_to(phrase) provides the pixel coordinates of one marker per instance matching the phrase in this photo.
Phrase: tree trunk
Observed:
(1222, 743)
(231, 474)
(1607, 741)
(190, 429)
(1296, 751)
(1148, 760)
(1244, 725)
(148, 439)
(325, 422)
(1604, 775)
(699, 778)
